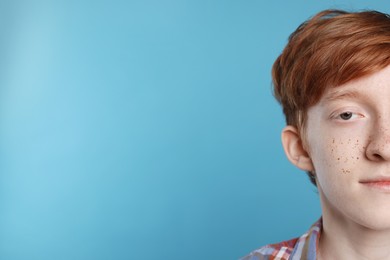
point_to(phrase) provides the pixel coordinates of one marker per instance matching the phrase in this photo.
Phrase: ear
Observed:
(295, 152)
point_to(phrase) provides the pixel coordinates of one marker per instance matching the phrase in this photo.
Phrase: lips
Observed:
(376, 179)
(377, 183)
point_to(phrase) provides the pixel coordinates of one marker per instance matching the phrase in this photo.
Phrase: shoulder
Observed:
(279, 251)
(304, 247)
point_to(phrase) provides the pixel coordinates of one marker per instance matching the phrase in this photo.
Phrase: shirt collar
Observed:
(307, 246)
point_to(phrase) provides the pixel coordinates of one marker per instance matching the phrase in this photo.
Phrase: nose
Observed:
(378, 148)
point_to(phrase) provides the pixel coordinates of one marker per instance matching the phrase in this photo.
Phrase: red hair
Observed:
(328, 50)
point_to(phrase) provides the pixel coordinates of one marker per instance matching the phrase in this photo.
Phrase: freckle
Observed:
(338, 159)
(357, 158)
(345, 171)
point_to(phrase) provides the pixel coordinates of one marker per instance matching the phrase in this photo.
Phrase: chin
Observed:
(377, 221)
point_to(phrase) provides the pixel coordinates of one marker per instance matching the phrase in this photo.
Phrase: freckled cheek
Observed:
(341, 155)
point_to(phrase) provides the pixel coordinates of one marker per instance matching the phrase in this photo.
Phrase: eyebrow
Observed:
(340, 95)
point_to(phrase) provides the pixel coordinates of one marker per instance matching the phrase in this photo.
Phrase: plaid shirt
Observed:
(302, 248)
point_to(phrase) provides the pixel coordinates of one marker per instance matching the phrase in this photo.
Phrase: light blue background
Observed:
(147, 129)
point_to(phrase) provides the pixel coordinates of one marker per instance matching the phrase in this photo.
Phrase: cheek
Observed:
(338, 156)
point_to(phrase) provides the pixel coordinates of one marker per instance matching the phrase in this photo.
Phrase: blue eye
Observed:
(346, 115)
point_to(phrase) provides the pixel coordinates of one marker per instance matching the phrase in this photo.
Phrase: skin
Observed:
(347, 145)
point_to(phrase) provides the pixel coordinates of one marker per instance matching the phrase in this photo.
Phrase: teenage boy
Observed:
(333, 82)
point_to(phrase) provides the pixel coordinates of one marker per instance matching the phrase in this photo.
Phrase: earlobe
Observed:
(295, 152)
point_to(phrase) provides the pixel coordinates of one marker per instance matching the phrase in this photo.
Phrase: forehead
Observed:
(376, 84)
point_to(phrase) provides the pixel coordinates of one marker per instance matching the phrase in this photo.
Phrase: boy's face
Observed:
(348, 142)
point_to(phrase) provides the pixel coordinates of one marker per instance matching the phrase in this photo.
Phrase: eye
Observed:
(346, 115)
